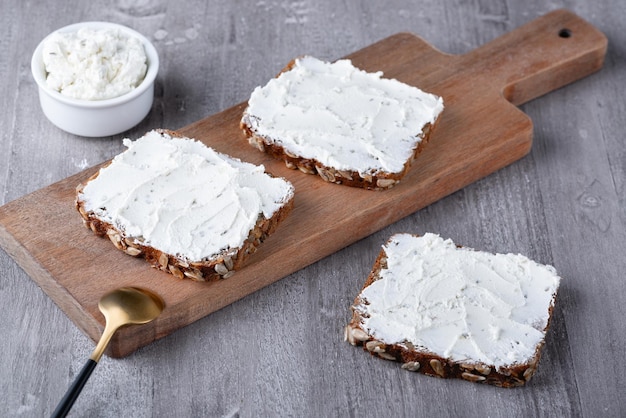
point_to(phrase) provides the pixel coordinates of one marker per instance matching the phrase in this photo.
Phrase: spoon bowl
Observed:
(121, 307)
(126, 306)
(131, 305)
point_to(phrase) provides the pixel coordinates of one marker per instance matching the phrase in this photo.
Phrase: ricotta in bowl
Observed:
(94, 64)
(95, 79)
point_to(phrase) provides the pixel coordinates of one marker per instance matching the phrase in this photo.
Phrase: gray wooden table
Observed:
(280, 351)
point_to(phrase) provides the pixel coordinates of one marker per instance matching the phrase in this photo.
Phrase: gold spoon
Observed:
(124, 306)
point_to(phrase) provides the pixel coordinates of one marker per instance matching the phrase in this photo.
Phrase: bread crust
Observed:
(377, 180)
(220, 266)
(419, 360)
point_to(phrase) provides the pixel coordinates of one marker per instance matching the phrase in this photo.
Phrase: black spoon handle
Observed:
(72, 393)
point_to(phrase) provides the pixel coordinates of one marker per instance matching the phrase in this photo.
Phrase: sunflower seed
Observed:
(82, 211)
(472, 377)
(305, 169)
(194, 275)
(375, 346)
(385, 183)
(228, 262)
(176, 271)
(347, 335)
(386, 356)
(257, 143)
(325, 174)
(528, 373)
(437, 367)
(163, 260)
(411, 366)
(132, 251)
(358, 334)
(482, 369)
(115, 238)
(130, 242)
(289, 154)
(221, 269)
(344, 174)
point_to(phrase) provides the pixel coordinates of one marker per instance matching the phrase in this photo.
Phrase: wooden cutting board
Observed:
(481, 131)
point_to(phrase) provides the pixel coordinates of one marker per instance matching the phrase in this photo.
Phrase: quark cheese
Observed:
(182, 197)
(458, 303)
(342, 116)
(94, 64)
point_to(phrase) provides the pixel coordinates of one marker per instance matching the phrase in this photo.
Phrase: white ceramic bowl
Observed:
(97, 118)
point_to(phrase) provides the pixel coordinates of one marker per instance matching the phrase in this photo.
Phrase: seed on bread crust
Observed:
(163, 260)
(437, 367)
(175, 271)
(385, 183)
(473, 377)
(221, 269)
(305, 169)
(194, 275)
(257, 143)
(325, 174)
(528, 373)
(289, 154)
(354, 335)
(482, 369)
(386, 356)
(116, 239)
(375, 346)
(411, 366)
(133, 251)
(82, 211)
(228, 262)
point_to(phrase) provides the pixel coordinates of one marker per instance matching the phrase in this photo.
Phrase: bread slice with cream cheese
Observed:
(185, 208)
(346, 125)
(451, 311)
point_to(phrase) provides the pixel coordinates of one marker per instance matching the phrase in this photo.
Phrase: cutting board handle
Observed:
(540, 56)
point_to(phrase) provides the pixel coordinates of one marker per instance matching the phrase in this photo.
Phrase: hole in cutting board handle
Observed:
(565, 33)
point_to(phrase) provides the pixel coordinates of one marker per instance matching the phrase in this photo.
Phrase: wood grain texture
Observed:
(279, 351)
(466, 146)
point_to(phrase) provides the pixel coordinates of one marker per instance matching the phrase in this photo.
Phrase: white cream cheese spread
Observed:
(94, 64)
(458, 303)
(341, 116)
(182, 197)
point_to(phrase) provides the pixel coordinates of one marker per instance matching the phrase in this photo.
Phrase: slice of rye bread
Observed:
(374, 178)
(418, 356)
(219, 265)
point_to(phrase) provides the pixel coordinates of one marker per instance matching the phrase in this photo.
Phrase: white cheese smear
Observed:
(182, 197)
(93, 64)
(458, 303)
(342, 116)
